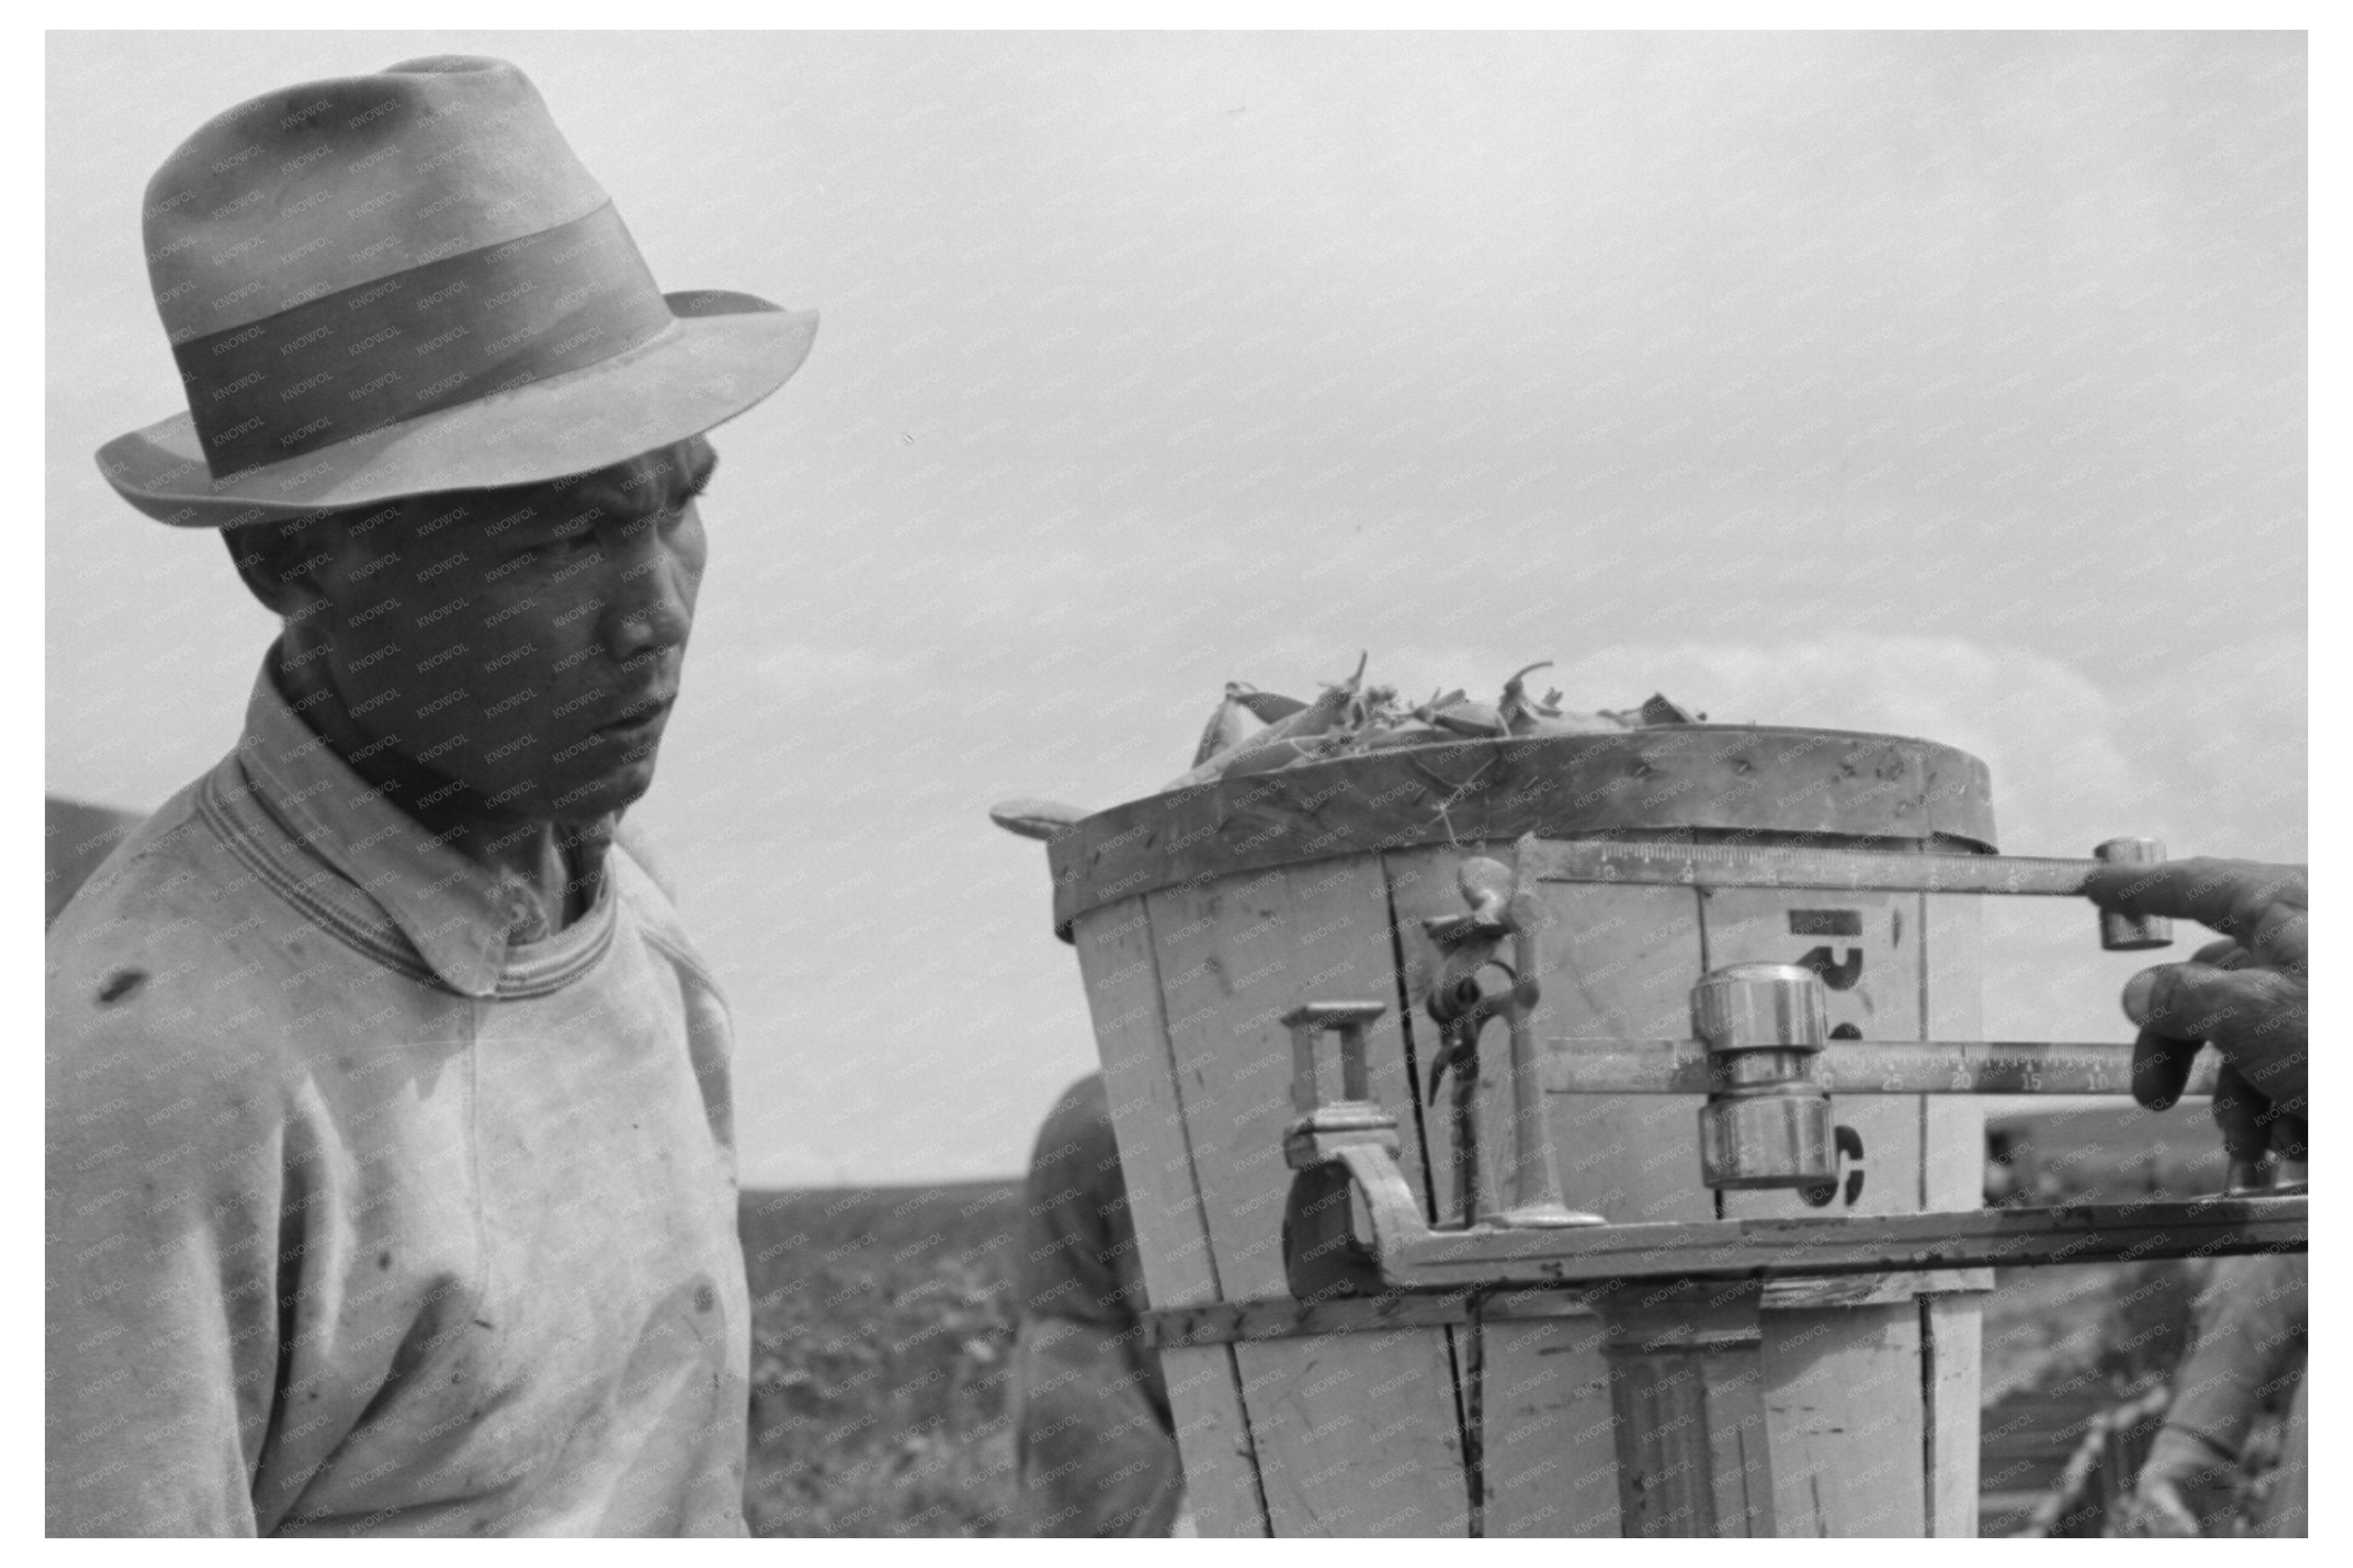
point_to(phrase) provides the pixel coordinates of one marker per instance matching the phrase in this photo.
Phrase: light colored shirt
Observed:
(2254, 1319)
(365, 1216)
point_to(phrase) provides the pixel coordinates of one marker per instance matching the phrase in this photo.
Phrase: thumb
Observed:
(2160, 1067)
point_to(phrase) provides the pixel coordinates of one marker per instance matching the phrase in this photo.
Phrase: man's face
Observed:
(522, 645)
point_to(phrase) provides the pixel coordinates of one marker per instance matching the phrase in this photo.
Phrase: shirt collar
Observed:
(457, 914)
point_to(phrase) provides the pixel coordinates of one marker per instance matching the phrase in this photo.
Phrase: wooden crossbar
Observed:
(1284, 1317)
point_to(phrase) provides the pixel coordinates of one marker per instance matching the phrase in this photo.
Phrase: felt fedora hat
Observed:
(401, 283)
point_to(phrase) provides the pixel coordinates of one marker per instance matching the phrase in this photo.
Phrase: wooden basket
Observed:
(1201, 917)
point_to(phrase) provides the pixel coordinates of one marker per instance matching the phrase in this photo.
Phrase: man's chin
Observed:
(584, 800)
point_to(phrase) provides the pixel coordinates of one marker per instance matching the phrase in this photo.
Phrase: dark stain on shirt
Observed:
(120, 984)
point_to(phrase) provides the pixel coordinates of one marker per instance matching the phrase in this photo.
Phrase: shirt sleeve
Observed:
(2251, 1330)
(164, 1186)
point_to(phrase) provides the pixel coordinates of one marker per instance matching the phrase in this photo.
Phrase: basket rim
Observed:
(1661, 781)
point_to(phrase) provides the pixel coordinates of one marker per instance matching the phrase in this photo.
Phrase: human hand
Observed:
(2250, 1120)
(2248, 995)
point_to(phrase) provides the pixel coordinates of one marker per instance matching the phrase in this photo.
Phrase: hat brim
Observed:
(721, 354)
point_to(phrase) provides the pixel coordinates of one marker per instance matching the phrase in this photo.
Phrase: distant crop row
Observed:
(881, 1331)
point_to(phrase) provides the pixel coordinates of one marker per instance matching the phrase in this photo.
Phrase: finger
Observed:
(2288, 1137)
(2225, 954)
(2229, 896)
(2160, 1066)
(2255, 1015)
(2238, 1112)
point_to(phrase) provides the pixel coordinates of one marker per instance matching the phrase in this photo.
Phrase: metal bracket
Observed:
(1322, 1257)
(1503, 906)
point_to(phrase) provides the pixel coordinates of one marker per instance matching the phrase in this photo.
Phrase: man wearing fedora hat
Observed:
(390, 1170)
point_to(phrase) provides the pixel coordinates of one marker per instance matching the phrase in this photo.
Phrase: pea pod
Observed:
(1410, 733)
(1661, 709)
(1477, 720)
(1544, 725)
(1278, 754)
(1520, 715)
(1267, 707)
(1321, 716)
(1228, 726)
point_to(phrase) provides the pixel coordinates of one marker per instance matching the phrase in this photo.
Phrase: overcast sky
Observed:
(1949, 385)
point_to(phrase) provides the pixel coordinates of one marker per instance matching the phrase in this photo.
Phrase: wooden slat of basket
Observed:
(1371, 1446)
(1548, 1452)
(1165, 1202)
(1844, 1422)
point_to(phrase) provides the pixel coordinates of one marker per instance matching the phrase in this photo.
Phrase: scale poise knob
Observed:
(2133, 933)
(1766, 1122)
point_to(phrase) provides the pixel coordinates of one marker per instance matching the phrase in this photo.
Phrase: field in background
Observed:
(882, 1323)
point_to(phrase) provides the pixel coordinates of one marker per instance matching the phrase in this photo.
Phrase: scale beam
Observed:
(1860, 1067)
(1763, 866)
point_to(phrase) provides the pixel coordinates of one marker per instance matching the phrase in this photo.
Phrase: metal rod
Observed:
(1762, 865)
(1861, 1067)
(1467, 1199)
(1535, 1185)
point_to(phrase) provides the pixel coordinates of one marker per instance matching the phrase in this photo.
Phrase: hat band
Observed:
(449, 332)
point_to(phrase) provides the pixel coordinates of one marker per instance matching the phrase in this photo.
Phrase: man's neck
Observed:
(554, 867)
